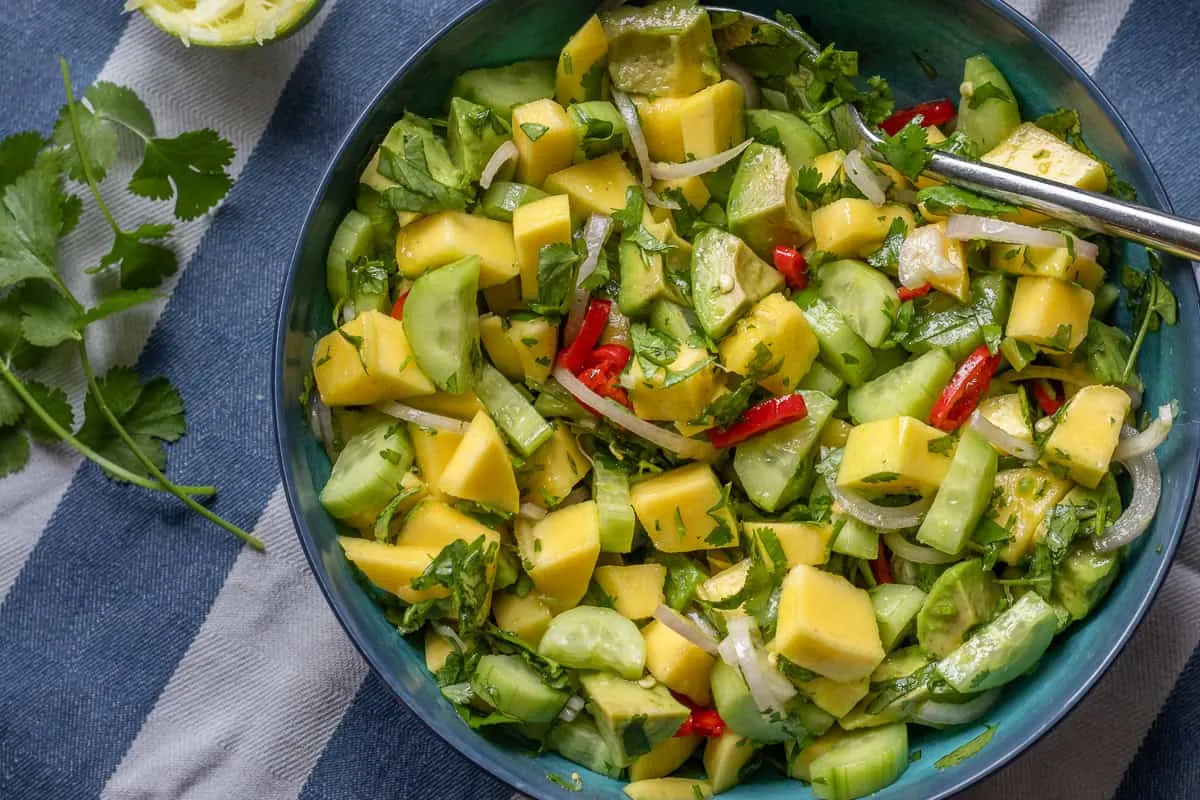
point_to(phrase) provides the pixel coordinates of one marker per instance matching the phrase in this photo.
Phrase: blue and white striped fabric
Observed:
(143, 656)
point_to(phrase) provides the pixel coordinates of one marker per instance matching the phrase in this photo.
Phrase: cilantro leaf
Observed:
(632, 229)
(18, 153)
(54, 402)
(555, 278)
(104, 107)
(652, 348)
(1151, 303)
(152, 413)
(145, 262)
(462, 568)
(47, 317)
(945, 200)
(989, 91)
(418, 189)
(887, 257)
(14, 451)
(906, 150)
(535, 130)
(116, 302)
(31, 218)
(1066, 125)
(190, 167)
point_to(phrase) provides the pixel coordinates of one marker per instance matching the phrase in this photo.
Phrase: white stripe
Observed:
(1084, 29)
(184, 88)
(259, 692)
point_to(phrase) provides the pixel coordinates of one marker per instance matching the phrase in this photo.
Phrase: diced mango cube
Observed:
(460, 406)
(597, 186)
(481, 470)
(437, 650)
(836, 697)
(392, 567)
(433, 450)
(636, 589)
(853, 227)
(725, 583)
(447, 236)
(527, 617)
(1050, 313)
(536, 343)
(1038, 152)
(827, 625)
(1007, 412)
(777, 328)
(544, 138)
(696, 126)
(677, 663)
(368, 361)
(802, 542)
(692, 189)
(829, 166)
(560, 553)
(1026, 496)
(536, 225)
(493, 333)
(685, 510)
(683, 400)
(1047, 262)
(892, 456)
(666, 757)
(725, 759)
(433, 525)
(581, 74)
(554, 468)
(1087, 432)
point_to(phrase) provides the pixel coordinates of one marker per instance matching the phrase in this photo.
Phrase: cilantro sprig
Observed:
(126, 422)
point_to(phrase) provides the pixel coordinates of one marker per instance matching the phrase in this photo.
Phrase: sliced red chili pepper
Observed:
(1049, 397)
(602, 380)
(614, 356)
(760, 418)
(398, 309)
(574, 355)
(792, 264)
(880, 567)
(905, 294)
(703, 721)
(965, 389)
(935, 112)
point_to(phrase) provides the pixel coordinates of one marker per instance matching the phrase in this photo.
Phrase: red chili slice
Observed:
(792, 264)
(965, 389)
(613, 356)
(935, 112)
(905, 294)
(765, 416)
(880, 567)
(602, 380)
(1049, 397)
(573, 357)
(398, 309)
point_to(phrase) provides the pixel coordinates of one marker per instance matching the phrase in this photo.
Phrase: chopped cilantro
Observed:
(535, 130)
(960, 754)
(557, 264)
(945, 200)
(906, 150)
(989, 91)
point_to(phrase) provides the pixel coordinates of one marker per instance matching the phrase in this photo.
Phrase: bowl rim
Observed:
(462, 738)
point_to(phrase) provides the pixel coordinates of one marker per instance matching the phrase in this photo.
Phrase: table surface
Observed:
(147, 656)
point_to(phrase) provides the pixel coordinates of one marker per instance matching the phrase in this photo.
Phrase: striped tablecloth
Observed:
(143, 655)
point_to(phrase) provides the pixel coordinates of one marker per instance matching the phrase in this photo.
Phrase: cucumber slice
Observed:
(735, 704)
(580, 741)
(589, 637)
(1019, 354)
(367, 473)
(963, 496)
(909, 390)
(370, 287)
(610, 489)
(502, 198)
(510, 410)
(1004, 649)
(800, 143)
(504, 88)
(842, 350)
(861, 763)
(822, 379)
(962, 597)
(512, 687)
(770, 466)
(228, 23)
(864, 296)
(354, 239)
(441, 321)
(383, 219)
(896, 607)
(555, 401)
(856, 539)
(985, 120)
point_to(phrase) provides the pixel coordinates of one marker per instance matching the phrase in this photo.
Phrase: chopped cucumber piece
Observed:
(513, 687)
(962, 597)
(963, 497)
(909, 390)
(367, 473)
(770, 466)
(822, 379)
(555, 401)
(610, 489)
(1004, 649)
(589, 637)
(864, 296)
(860, 763)
(441, 321)
(735, 704)
(514, 415)
(354, 239)
(896, 607)
(988, 112)
(856, 539)
(504, 88)
(502, 198)
(842, 350)
(799, 142)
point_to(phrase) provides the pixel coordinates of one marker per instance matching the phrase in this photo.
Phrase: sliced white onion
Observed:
(768, 688)
(703, 624)
(969, 226)
(576, 703)
(504, 153)
(532, 511)
(944, 715)
(915, 552)
(629, 113)
(423, 418)
(874, 187)
(595, 232)
(451, 635)
(1000, 438)
(567, 714)
(1135, 396)
(321, 420)
(922, 257)
(887, 518)
(654, 199)
(736, 72)
(686, 628)
(665, 171)
(1143, 505)
(348, 312)
(1148, 440)
(622, 417)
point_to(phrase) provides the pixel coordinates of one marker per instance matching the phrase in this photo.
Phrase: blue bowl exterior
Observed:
(943, 33)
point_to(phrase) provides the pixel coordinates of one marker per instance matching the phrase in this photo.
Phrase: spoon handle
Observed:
(1088, 210)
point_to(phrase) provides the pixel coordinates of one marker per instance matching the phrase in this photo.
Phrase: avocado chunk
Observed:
(599, 129)
(733, 701)
(961, 598)
(771, 467)
(727, 279)
(502, 198)
(580, 741)
(473, 132)
(441, 320)
(663, 49)
(1083, 579)
(799, 142)
(630, 718)
(963, 497)
(504, 88)
(644, 279)
(763, 207)
(514, 688)
(1004, 649)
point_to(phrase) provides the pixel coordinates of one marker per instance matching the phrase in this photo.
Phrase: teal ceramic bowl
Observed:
(943, 32)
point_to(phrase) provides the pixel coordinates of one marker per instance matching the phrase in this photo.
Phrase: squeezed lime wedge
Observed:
(227, 23)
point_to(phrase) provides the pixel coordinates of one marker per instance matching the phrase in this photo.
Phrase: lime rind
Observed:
(227, 23)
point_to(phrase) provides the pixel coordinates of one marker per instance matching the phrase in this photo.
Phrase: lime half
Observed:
(227, 23)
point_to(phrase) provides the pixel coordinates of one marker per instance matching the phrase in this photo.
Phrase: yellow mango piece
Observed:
(725, 583)
(692, 189)
(535, 225)
(536, 343)
(445, 237)
(669, 789)
(1047, 262)
(666, 757)
(1007, 412)
(853, 227)
(1037, 152)
(481, 470)
(1050, 313)
(1026, 496)
(892, 456)
(777, 324)
(544, 138)
(934, 135)
(434, 525)
(560, 553)
(683, 401)
(597, 186)
(493, 334)
(724, 758)
(437, 650)
(696, 126)
(1087, 432)
(677, 663)
(581, 75)
(460, 406)
(802, 542)
(554, 468)
(718, 560)
(393, 567)
(433, 450)
(829, 166)
(527, 617)
(636, 589)
(380, 368)
(685, 510)
(505, 297)
(827, 625)
(836, 697)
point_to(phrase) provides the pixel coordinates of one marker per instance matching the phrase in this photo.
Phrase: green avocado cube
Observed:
(663, 49)
(631, 719)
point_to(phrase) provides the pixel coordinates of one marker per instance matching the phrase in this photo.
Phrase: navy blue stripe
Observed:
(1168, 763)
(382, 751)
(31, 90)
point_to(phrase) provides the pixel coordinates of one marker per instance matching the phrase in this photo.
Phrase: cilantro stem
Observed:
(1136, 347)
(164, 482)
(77, 135)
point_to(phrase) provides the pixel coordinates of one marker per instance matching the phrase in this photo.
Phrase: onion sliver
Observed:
(940, 715)
(886, 518)
(1000, 438)
(1148, 440)
(874, 187)
(686, 628)
(504, 153)
(322, 422)
(688, 169)
(736, 72)
(770, 691)
(969, 226)
(1143, 505)
(532, 511)
(422, 418)
(622, 417)
(916, 553)
(595, 232)
(629, 113)
(654, 199)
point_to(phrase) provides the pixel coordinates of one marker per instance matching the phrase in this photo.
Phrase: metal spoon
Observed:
(1083, 209)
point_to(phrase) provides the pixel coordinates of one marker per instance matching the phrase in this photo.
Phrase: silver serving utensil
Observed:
(1083, 209)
